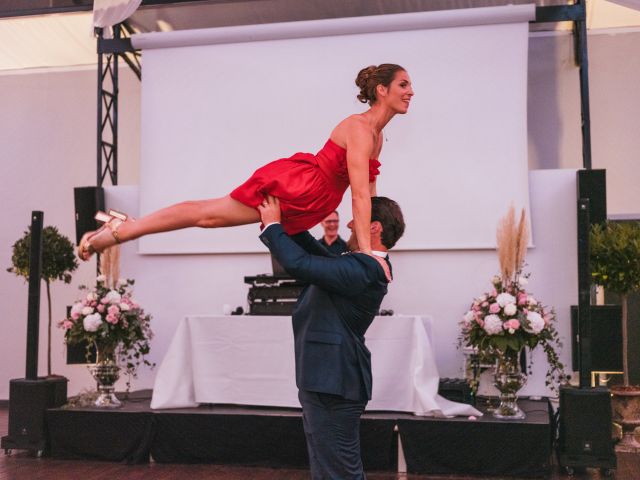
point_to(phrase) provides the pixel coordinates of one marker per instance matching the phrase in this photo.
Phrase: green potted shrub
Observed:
(615, 265)
(58, 261)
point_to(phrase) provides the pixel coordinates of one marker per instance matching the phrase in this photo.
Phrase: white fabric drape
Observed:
(107, 13)
(250, 361)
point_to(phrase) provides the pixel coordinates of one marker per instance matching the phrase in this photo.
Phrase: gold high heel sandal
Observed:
(112, 222)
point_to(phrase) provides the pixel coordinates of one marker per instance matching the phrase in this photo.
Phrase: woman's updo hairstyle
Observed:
(370, 77)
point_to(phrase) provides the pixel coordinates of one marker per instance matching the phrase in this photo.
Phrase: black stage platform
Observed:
(259, 436)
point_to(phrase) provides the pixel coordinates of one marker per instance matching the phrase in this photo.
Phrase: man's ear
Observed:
(376, 227)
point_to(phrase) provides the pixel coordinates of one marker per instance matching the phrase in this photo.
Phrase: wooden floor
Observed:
(20, 466)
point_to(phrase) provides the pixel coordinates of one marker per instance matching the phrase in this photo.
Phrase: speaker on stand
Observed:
(585, 420)
(30, 397)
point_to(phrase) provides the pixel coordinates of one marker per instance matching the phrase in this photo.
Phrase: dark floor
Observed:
(20, 466)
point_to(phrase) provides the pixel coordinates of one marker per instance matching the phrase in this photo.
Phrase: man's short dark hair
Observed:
(388, 213)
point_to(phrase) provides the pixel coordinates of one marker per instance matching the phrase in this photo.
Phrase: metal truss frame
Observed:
(108, 96)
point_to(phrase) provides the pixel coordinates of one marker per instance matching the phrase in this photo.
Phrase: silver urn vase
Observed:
(106, 373)
(509, 379)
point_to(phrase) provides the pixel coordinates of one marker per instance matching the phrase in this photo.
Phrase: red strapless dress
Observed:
(309, 186)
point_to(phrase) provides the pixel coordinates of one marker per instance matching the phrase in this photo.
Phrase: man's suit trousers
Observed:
(332, 429)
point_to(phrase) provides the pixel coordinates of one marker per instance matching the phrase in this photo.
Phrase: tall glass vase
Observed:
(106, 373)
(509, 379)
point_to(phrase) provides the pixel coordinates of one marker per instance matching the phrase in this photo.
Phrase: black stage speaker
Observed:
(592, 184)
(585, 429)
(87, 201)
(28, 401)
(606, 338)
(77, 353)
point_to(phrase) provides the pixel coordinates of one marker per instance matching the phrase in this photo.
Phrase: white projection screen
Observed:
(219, 103)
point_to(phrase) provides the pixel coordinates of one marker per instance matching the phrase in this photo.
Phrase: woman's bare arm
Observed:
(360, 145)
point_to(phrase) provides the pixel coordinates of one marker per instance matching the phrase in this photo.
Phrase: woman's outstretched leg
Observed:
(212, 213)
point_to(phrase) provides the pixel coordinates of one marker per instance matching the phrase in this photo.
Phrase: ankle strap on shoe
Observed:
(114, 225)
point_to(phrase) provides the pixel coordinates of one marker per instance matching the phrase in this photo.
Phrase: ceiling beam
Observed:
(18, 8)
(21, 8)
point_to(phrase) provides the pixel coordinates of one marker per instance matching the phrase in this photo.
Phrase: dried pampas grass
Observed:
(512, 240)
(110, 265)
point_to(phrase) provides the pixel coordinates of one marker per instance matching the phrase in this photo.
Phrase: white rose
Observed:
(492, 324)
(77, 308)
(535, 322)
(505, 298)
(122, 282)
(124, 307)
(482, 298)
(101, 278)
(91, 297)
(113, 297)
(87, 311)
(523, 282)
(91, 323)
(532, 301)
(496, 280)
(510, 309)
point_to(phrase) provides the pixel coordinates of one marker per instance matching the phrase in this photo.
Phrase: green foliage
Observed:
(615, 256)
(58, 256)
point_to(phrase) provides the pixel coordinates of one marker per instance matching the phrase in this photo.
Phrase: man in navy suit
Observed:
(333, 365)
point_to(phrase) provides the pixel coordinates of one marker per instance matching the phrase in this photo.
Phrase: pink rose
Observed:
(511, 325)
(485, 304)
(480, 322)
(494, 292)
(75, 315)
(113, 310)
(494, 308)
(547, 318)
(67, 324)
(111, 318)
(522, 298)
(100, 308)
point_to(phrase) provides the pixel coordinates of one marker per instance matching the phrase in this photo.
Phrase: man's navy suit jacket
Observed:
(333, 313)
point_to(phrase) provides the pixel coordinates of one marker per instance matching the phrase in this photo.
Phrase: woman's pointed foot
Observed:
(106, 236)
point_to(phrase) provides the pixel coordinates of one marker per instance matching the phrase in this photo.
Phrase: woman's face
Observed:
(399, 92)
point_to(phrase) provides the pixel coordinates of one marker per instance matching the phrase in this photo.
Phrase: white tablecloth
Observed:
(249, 360)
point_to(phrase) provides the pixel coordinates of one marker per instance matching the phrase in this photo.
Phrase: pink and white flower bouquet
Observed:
(108, 318)
(508, 318)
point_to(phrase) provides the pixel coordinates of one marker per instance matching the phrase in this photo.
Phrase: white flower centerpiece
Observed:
(107, 317)
(508, 318)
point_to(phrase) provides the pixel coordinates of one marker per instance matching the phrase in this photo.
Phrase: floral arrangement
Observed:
(501, 322)
(108, 317)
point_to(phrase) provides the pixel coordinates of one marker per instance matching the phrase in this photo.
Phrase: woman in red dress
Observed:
(308, 186)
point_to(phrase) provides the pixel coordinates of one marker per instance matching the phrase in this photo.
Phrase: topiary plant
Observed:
(58, 261)
(615, 265)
